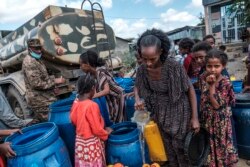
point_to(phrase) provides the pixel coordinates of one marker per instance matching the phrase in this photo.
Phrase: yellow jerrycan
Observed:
(155, 144)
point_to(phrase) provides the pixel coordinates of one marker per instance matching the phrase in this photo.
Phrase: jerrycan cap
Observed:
(150, 123)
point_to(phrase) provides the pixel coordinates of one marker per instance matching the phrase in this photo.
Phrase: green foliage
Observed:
(239, 6)
(201, 17)
(129, 61)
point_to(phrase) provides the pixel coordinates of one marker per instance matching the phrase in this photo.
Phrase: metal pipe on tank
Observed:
(18, 45)
(17, 59)
(116, 62)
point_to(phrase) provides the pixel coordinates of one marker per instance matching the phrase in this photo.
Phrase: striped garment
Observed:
(89, 152)
(115, 99)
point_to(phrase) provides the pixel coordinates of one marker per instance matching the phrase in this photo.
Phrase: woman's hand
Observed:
(59, 80)
(139, 105)
(131, 94)
(15, 130)
(6, 150)
(195, 125)
(109, 130)
(9, 132)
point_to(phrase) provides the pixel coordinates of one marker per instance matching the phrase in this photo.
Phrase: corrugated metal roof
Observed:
(184, 28)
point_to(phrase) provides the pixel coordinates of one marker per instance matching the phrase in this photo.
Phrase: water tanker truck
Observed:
(64, 33)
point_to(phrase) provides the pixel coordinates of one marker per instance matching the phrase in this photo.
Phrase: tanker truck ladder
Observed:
(104, 44)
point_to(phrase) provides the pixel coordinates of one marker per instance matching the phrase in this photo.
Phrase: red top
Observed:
(192, 68)
(187, 62)
(2, 161)
(86, 116)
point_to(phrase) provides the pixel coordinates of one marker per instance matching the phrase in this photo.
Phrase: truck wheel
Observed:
(18, 103)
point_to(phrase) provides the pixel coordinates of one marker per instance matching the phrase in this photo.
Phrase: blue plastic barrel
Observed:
(126, 83)
(119, 80)
(129, 81)
(59, 114)
(123, 145)
(193, 80)
(38, 146)
(102, 103)
(237, 86)
(241, 116)
(130, 107)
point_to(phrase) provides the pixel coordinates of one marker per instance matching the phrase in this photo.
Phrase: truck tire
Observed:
(18, 103)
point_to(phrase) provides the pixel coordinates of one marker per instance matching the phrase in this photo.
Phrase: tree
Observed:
(241, 6)
(201, 17)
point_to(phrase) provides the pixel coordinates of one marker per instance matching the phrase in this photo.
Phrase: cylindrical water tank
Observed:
(241, 115)
(124, 146)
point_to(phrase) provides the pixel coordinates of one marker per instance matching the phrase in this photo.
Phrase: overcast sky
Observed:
(128, 18)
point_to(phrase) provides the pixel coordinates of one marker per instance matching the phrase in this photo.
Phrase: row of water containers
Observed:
(52, 143)
(41, 146)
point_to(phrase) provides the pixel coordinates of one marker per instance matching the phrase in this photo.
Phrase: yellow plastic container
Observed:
(232, 78)
(155, 144)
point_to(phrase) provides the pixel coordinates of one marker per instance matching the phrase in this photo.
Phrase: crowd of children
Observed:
(217, 96)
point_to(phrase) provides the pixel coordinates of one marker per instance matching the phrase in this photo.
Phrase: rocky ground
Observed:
(236, 66)
(243, 163)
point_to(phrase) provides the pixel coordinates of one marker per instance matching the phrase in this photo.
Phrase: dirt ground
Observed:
(236, 66)
(243, 163)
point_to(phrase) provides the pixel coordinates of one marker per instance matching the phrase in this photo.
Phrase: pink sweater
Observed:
(86, 116)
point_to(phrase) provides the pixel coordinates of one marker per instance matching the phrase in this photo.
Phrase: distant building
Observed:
(193, 32)
(122, 46)
(223, 25)
(120, 52)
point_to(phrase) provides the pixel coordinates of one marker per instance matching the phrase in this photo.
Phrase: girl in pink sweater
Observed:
(90, 132)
